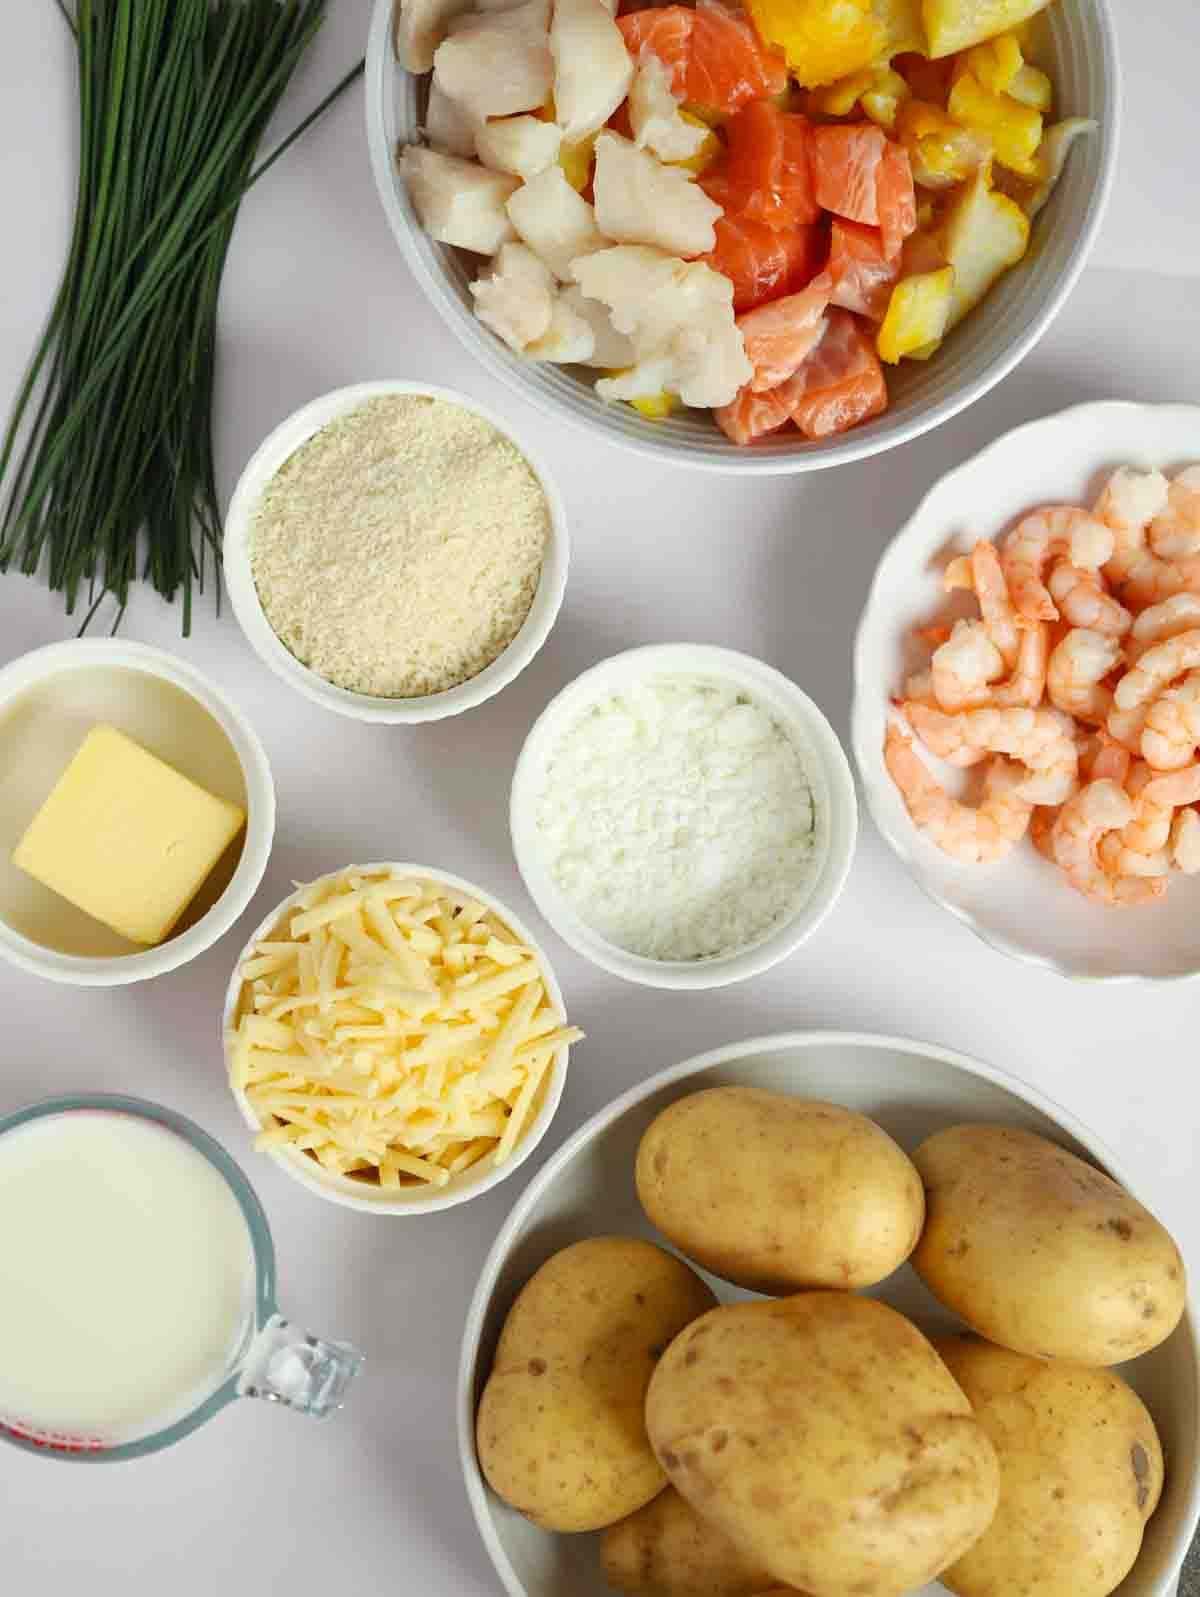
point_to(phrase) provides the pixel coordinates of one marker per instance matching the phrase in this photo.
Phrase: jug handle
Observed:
(286, 1365)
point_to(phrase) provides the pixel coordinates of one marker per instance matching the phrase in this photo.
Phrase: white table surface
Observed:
(317, 295)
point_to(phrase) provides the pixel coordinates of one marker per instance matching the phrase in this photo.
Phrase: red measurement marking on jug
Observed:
(54, 1441)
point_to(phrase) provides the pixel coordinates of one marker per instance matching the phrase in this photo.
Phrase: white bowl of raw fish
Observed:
(1075, 46)
(1026, 903)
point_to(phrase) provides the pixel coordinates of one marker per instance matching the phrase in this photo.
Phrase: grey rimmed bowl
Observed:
(912, 1089)
(1081, 51)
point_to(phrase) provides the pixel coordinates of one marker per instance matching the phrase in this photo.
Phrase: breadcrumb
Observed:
(398, 551)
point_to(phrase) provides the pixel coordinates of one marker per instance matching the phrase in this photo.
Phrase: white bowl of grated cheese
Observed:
(683, 816)
(395, 1038)
(364, 618)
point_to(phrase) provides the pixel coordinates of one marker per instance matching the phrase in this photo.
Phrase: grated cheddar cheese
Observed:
(394, 1029)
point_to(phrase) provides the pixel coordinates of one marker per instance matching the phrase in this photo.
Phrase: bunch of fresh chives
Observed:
(115, 413)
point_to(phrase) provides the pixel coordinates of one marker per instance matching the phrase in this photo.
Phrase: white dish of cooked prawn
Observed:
(1027, 692)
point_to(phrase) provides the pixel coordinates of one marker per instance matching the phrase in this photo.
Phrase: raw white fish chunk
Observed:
(641, 201)
(498, 65)
(516, 298)
(521, 302)
(679, 315)
(530, 7)
(655, 117)
(703, 362)
(592, 67)
(531, 14)
(712, 359)
(447, 126)
(522, 145)
(557, 224)
(637, 283)
(568, 340)
(457, 201)
(610, 349)
(420, 26)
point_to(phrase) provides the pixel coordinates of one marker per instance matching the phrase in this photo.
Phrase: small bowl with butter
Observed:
(137, 812)
(395, 1038)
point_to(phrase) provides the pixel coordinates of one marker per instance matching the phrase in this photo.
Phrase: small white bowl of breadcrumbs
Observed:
(394, 553)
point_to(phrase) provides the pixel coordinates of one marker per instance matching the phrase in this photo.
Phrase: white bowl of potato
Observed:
(578, 1318)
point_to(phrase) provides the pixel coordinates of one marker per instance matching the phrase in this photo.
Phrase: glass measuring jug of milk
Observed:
(137, 1275)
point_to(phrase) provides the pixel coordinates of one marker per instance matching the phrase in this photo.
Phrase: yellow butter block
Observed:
(125, 838)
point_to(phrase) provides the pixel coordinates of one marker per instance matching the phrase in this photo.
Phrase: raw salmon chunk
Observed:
(715, 183)
(761, 262)
(666, 31)
(846, 158)
(752, 416)
(862, 275)
(840, 384)
(896, 199)
(779, 337)
(768, 170)
(730, 65)
(715, 58)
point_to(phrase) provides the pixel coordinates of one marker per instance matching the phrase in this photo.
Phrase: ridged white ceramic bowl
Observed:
(913, 1089)
(1083, 54)
(1022, 906)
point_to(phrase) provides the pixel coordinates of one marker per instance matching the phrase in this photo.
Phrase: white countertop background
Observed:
(317, 295)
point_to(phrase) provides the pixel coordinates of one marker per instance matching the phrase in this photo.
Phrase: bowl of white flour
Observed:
(683, 816)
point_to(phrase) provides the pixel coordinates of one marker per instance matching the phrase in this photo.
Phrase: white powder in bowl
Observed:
(678, 819)
(398, 551)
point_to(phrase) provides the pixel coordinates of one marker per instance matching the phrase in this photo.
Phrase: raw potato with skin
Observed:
(823, 1435)
(667, 1550)
(1081, 1470)
(1041, 1252)
(778, 1193)
(560, 1427)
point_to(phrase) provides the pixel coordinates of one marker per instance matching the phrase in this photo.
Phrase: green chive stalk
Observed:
(107, 461)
